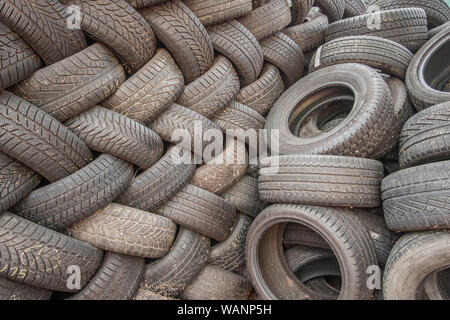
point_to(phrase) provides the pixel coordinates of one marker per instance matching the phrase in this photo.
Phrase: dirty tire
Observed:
(214, 283)
(144, 294)
(333, 9)
(262, 94)
(244, 196)
(310, 34)
(298, 235)
(435, 31)
(156, 185)
(425, 137)
(322, 180)
(37, 256)
(286, 55)
(425, 76)
(118, 278)
(146, 94)
(348, 239)
(417, 198)
(300, 10)
(43, 25)
(352, 137)
(267, 19)
(211, 12)
(239, 117)
(116, 24)
(406, 26)
(355, 8)
(126, 230)
(143, 3)
(170, 275)
(74, 84)
(383, 54)
(16, 181)
(110, 132)
(414, 257)
(200, 211)
(213, 91)
(36, 139)
(12, 290)
(239, 45)
(61, 204)
(17, 59)
(230, 254)
(220, 174)
(182, 33)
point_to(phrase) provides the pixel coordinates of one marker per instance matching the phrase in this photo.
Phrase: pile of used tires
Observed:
(353, 201)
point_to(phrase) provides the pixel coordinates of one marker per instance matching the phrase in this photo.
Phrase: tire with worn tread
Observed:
(300, 10)
(333, 9)
(12, 290)
(354, 8)
(239, 117)
(211, 12)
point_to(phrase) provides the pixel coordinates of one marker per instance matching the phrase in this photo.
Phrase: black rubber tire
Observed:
(156, 185)
(36, 139)
(110, 132)
(201, 211)
(182, 33)
(37, 256)
(116, 24)
(184, 121)
(333, 9)
(311, 33)
(170, 275)
(239, 117)
(118, 278)
(406, 26)
(435, 31)
(146, 94)
(74, 84)
(213, 91)
(298, 235)
(417, 198)
(18, 60)
(220, 174)
(214, 283)
(61, 204)
(144, 294)
(143, 3)
(355, 8)
(230, 254)
(438, 11)
(211, 12)
(361, 134)
(383, 54)
(413, 258)
(43, 25)
(12, 290)
(286, 55)
(322, 180)
(16, 181)
(244, 196)
(300, 10)
(267, 19)
(238, 44)
(269, 272)
(126, 230)
(425, 137)
(426, 75)
(262, 94)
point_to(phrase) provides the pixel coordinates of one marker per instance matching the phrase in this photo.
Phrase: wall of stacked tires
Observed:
(353, 202)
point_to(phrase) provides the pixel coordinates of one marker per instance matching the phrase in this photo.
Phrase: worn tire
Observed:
(200, 211)
(406, 26)
(239, 117)
(36, 139)
(300, 10)
(217, 11)
(43, 25)
(118, 278)
(262, 94)
(333, 9)
(67, 201)
(170, 275)
(182, 33)
(239, 45)
(213, 91)
(110, 132)
(425, 137)
(116, 24)
(143, 3)
(12, 290)
(74, 84)
(37, 256)
(322, 180)
(126, 230)
(17, 59)
(417, 198)
(354, 8)
(146, 94)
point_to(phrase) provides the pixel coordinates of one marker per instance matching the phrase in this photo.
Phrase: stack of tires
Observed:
(105, 190)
